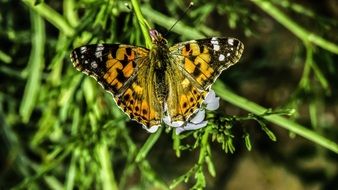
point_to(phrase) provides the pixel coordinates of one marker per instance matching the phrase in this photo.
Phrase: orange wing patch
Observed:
(137, 104)
(197, 60)
(204, 60)
(184, 98)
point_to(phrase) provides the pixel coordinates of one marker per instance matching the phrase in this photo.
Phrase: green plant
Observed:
(62, 131)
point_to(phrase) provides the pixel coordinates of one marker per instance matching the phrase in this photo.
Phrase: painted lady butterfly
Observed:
(150, 84)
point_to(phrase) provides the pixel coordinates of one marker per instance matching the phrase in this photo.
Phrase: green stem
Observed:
(143, 23)
(34, 67)
(52, 16)
(4, 57)
(69, 12)
(107, 172)
(295, 28)
(252, 107)
(309, 63)
(148, 145)
(42, 171)
(204, 146)
(305, 80)
(167, 22)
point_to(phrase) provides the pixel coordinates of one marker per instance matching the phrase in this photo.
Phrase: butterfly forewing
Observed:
(204, 60)
(112, 65)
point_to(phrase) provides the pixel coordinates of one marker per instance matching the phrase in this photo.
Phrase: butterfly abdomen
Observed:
(161, 85)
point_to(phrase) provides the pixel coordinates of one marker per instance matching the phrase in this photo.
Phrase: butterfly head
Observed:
(157, 38)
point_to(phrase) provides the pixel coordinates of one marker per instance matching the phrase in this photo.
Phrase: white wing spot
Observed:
(221, 57)
(216, 47)
(98, 53)
(214, 41)
(231, 41)
(215, 44)
(83, 49)
(93, 64)
(99, 47)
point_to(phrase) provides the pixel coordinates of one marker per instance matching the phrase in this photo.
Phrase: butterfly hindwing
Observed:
(139, 100)
(184, 96)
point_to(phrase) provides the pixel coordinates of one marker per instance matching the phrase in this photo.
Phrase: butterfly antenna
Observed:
(182, 15)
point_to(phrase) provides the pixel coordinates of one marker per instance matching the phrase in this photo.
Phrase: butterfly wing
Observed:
(139, 99)
(121, 70)
(185, 95)
(200, 63)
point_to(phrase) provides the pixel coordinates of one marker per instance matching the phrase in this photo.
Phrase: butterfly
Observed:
(151, 84)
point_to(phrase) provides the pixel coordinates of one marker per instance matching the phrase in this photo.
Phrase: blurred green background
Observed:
(277, 128)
